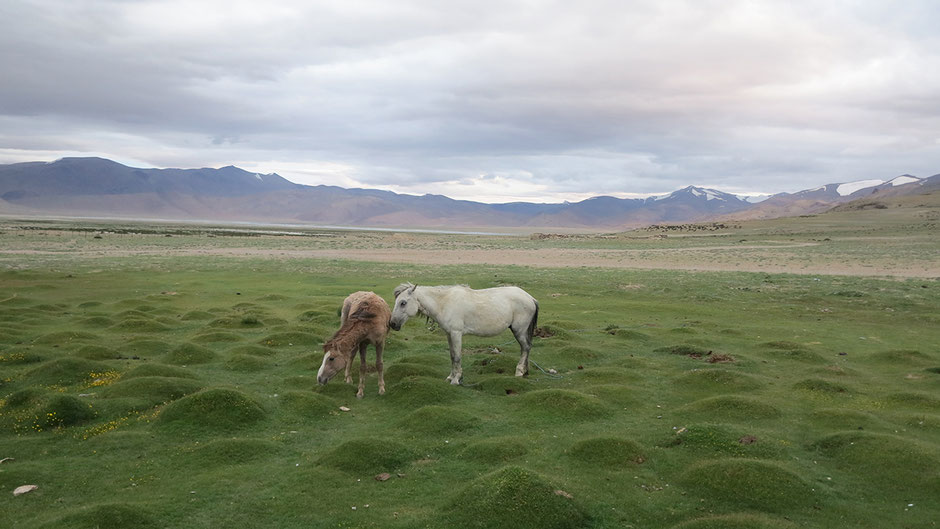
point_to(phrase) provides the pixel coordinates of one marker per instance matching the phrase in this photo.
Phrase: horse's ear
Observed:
(412, 289)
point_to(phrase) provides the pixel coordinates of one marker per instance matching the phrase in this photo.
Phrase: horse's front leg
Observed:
(362, 369)
(454, 340)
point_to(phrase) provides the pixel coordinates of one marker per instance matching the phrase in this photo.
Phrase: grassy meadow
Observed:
(152, 389)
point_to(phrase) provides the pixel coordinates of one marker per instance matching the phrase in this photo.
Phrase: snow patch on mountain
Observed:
(903, 179)
(848, 188)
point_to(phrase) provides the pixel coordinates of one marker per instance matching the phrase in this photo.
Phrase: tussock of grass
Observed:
(232, 452)
(64, 372)
(606, 375)
(783, 350)
(902, 356)
(517, 498)
(212, 410)
(503, 385)
(628, 334)
(67, 337)
(494, 451)
(616, 394)
(562, 403)
(18, 356)
(683, 349)
(717, 379)
(611, 452)
(157, 370)
(108, 515)
(146, 347)
(197, 315)
(189, 354)
(307, 404)
(902, 468)
(66, 410)
(151, 390)
(845, 419)
(730, 408)
(286, 339)
(399, 370)
(493, 364)
(246, 363)
(820, 385)
(438, 420)
(251, 349)
(423, 391)
(748, 484)
(139, 325)
(368, 456)
(214, 337)
(913, 399)
(722, 440)
(97, 352)
(96, 321)
(737, 521)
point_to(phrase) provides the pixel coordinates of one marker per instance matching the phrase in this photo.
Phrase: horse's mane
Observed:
(402, 287)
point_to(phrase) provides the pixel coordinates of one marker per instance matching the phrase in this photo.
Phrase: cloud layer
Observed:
(485, 100)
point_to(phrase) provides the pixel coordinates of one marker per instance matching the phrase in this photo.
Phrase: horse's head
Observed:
(406, 305)
(333, 362)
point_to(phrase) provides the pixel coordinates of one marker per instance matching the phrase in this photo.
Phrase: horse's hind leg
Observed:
(362, 369)
(455, 342)
(379, 366)
(522, 336)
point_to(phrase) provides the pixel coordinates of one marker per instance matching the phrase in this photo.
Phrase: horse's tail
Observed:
(534, 322)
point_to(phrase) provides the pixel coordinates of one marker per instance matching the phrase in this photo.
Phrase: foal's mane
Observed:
(350, 334)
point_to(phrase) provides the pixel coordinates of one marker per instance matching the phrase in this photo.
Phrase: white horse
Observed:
(461, 310)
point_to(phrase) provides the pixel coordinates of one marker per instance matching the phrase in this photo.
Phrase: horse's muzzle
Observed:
(394, 326)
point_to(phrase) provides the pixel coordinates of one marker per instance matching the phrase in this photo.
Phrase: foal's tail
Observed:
(534, 322)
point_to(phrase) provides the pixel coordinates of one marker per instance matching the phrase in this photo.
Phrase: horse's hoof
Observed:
(381, 391)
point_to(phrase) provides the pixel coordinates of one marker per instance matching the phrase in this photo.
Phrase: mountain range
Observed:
(96, 187)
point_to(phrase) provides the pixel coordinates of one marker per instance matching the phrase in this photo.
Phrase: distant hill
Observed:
(96, 187)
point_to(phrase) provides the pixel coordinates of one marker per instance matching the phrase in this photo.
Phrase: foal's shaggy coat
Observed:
(363, 320)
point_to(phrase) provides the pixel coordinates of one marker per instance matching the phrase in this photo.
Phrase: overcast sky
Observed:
(484, 100)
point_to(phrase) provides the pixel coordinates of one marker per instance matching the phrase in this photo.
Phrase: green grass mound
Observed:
(246, 363)
(157, 370)
(717, 380)
(730, 408)
(627, 334)
(439, 420)
(736, 521)
(251, 349)
(96, 321)
(616, 394)
(722, 440)
(611, 452)
(607, 375)
(902, 356)
(399, 370)
(146, 347)
(819, 385)
(783, 350)
(842, 419)
(913, 399)
(90, 304)
(139, 325)
(423, 391)
(97, 352)
(563, 404)
(582, 353)
(748, 484)
(368, 456)
(503, 385)
(301, 382)
(307, 404)
(287, 339)
(898, 465)
(494, 364)
(197, 315)
(67, 337)
(65, 372)
(683, 349)
(217, 337)
(213, 410)
(151, 390)
(238, 321)
(66, 410)
(232, 452)
(555, 331)
(24, 397)
(189, 354)
(517, 498)
(433, 360)
(16, 357)
(318, 317)
(108, 515)
(494, 451)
